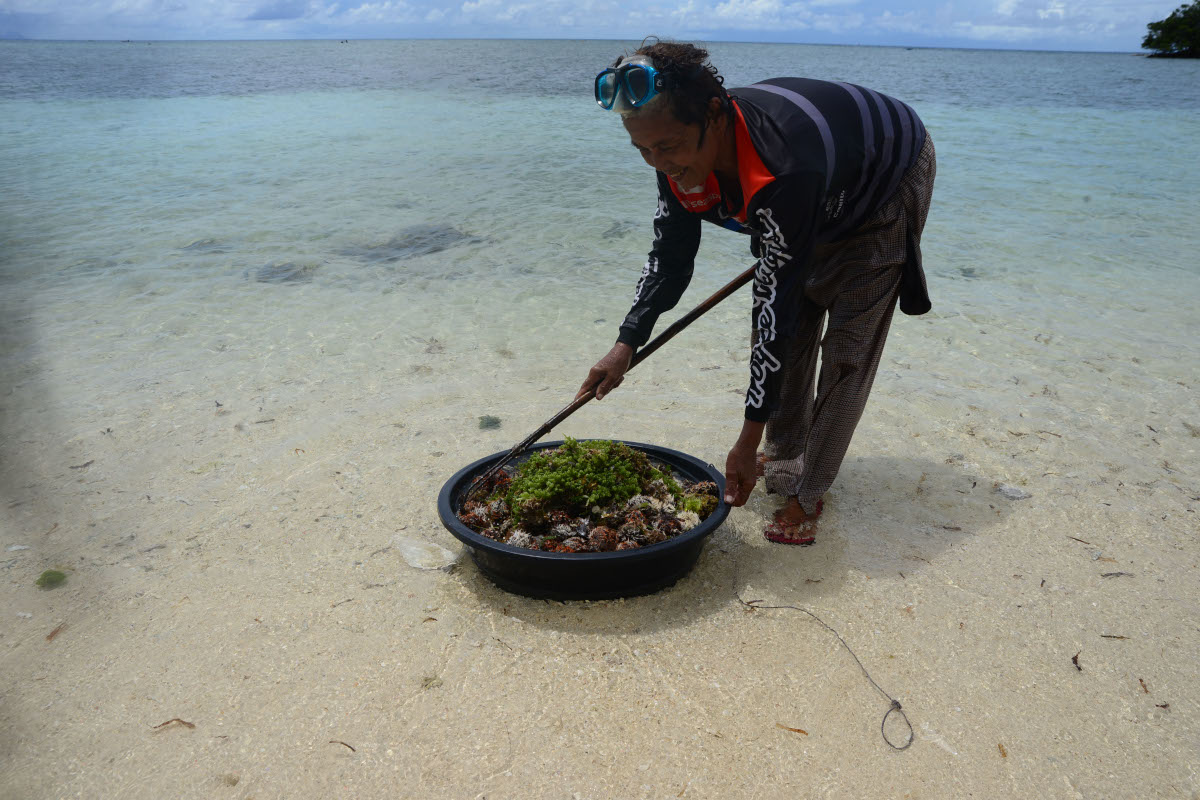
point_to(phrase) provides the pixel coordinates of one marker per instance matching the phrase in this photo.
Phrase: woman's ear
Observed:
(716, 110)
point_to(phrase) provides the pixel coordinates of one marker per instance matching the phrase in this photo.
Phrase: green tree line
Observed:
(1177, 36)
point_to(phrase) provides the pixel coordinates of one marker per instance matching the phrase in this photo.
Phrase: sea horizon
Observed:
(573, 39)
(261, 300)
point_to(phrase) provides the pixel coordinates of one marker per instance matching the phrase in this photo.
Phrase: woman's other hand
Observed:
(741, 465)
(608, 372)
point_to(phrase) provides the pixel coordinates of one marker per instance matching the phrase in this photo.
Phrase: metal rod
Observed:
(641, 355)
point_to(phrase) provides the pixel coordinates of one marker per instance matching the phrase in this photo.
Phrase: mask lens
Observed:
(606, 89)
(637, 84)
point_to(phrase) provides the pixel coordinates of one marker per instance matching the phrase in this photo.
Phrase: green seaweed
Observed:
(577, 476)
(51, 578)
(701, 504)
(487, 422)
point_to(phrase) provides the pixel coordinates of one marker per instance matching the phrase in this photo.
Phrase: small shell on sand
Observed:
(1013, 493)
(423, 555)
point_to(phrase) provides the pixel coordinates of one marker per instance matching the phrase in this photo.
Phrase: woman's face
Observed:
(674, 148)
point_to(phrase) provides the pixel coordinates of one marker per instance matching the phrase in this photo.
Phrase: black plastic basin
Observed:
(585, 576)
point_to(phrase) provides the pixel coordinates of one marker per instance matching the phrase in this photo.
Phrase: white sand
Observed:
(243, 575)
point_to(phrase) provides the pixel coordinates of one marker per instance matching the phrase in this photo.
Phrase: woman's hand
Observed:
(741, 465)
(608, 372)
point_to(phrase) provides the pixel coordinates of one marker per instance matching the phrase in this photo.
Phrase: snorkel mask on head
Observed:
(629, 85)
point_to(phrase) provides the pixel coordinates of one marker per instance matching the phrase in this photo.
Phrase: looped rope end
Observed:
(882, 725)
(895, 706)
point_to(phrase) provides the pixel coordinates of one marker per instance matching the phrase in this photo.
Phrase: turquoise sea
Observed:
(186, 219)
(255, 296)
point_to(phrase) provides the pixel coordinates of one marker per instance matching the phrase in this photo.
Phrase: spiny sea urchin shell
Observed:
(640, 501)
(653, 536)
(663, 506)
(613, 517)
(628, 532)
(649, 517)
(497, 483)
(473, 520)
(670, 525)
(658, 489)
(603, 539)
(533, 513)
(520, 538)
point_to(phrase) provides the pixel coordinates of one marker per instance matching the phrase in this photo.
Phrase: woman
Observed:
(832, 181)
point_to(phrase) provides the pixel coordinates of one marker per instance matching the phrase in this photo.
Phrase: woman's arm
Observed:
(668, 268)
(665, 276)
(785, 217)
(785, 214)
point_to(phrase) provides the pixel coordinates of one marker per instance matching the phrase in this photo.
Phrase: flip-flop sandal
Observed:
(802, 533)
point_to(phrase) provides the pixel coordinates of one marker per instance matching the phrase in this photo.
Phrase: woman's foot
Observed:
(793, 525)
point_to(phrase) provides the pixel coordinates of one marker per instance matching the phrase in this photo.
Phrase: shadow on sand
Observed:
(884, 516)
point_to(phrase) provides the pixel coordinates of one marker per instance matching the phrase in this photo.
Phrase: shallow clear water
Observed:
(448, 220)
(254, 296)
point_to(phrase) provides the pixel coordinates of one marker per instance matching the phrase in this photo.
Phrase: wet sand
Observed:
(331, 252)
(239, 567)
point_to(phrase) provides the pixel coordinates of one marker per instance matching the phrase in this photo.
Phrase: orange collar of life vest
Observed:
(753, 175)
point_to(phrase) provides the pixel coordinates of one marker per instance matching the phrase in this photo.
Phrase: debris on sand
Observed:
(51, 578)
(174, 721)
(422, 554)
(1012, 492)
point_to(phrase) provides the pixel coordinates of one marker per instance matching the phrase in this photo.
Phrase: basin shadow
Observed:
(886, 517)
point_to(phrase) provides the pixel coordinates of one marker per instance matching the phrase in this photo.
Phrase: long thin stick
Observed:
(639, 357)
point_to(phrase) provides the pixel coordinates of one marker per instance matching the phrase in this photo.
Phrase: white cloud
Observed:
(1057, 23)
(478, 6)
(758, 15)
(908, 22)
(838, 23)
(486, 12)
(1056, 9)
(998, 33)
(378, 13)
(746, 12)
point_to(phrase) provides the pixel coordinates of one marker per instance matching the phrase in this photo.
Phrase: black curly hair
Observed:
(692, 80)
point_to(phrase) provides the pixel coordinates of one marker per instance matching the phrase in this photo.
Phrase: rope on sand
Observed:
(895, 704)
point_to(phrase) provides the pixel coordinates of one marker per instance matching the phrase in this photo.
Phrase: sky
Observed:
(1109, 25)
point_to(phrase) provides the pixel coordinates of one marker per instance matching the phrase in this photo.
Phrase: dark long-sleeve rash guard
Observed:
(815, 160)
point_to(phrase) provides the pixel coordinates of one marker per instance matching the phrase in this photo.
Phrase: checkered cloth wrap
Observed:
(852, 294)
